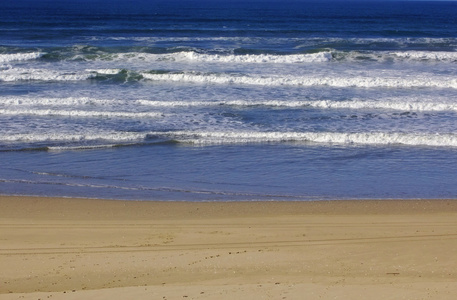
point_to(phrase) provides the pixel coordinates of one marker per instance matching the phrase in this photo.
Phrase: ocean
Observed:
(204, 100)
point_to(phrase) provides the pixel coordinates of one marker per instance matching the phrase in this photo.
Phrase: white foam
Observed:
(191, 56)
(46, 101)
(5, 58)
(435, 103)
(68, 137)
(104, 71)
(362, 138)
(427, 55)
(400, 104)
(319, 57)
(245, 137)
(398, 56)
(356, 81)
(260, 58)
(71, 148)
(80, 113)
(22, 74)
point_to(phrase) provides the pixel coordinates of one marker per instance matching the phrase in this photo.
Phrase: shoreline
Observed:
(72, 248)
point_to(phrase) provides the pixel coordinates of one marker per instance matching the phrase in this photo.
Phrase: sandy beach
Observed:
(54, 248)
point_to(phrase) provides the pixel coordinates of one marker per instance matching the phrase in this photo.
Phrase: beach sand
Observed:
(59, 248)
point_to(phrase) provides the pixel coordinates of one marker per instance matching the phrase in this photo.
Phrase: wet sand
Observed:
(60, 248)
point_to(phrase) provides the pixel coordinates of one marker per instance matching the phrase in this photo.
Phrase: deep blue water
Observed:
(228, 100)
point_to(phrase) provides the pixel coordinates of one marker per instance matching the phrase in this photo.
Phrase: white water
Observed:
(243, 137)
(6, 58)
(420, 81)
(80, 113)
(30, 105)
(361, 138)
(32, 74)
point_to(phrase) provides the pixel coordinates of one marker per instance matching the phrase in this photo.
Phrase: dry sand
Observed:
(54, 248)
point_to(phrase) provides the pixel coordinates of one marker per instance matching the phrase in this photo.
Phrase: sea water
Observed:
(228, 100)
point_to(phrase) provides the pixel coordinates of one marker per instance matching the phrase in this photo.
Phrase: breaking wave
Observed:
(287, 80)
(28, 74)
(327, 55)
(6, 58)
(12, 74)
(321, 55)
(24, 104)
(113, 139)
(80, 113)
(362, 138)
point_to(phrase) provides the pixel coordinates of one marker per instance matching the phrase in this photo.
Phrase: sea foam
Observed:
(6, 58)
(29, 74)
(245, 137)
(287, 80)
(80, 113)
(360, 138)
(72, 137)
(427, 55)
(192, 56)
(326, 55)
(407, 103)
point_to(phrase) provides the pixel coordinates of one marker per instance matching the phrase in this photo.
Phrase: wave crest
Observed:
(356, 81)
(25, 104)
(362, 138)
(114, 139)
(6, 58)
